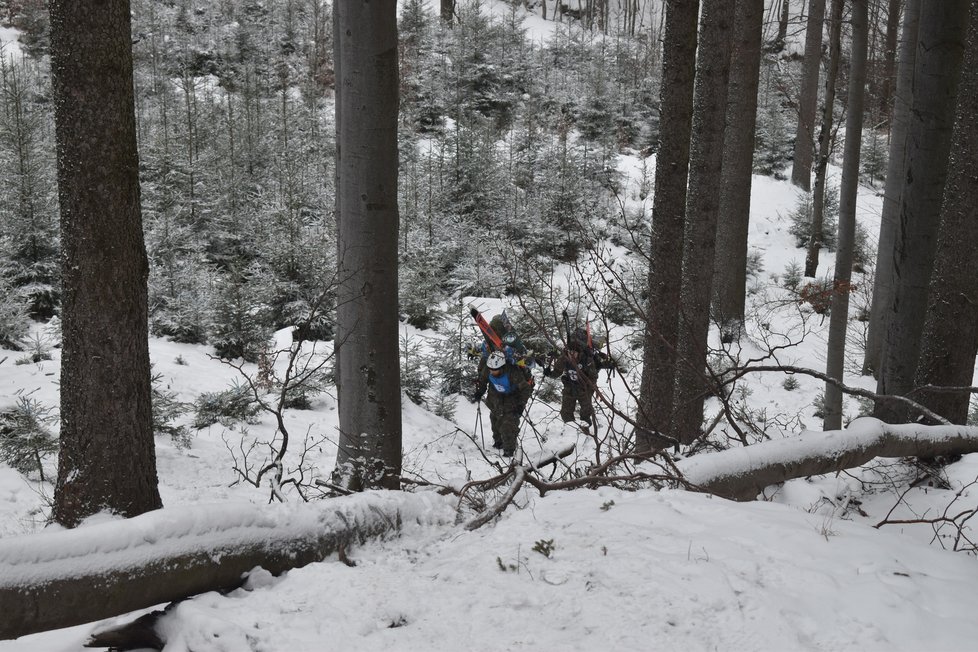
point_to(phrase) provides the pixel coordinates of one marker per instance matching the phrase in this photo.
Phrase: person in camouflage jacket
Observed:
(507, 390)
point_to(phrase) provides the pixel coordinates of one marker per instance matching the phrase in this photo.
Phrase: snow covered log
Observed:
(62, 578)
(742, 473)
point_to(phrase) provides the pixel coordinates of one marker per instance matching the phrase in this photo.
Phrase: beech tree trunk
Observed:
(367, 369)
(730, 279)
(950, 339)
(60, 579)
(801, 170)
(668, 219)
(742, 473)
(702, 214)
(107, 459)
(839, 318)
(896, 167)
(940, 50)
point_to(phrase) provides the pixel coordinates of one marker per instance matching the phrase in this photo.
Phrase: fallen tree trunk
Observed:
(742, 473)
(58, 579)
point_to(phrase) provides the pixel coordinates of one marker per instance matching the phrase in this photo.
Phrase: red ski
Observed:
(492, 338)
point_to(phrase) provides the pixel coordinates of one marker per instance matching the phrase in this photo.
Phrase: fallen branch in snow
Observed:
(741, 473)
(59, 579)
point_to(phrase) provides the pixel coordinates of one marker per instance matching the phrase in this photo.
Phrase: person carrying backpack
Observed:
(578, 366)
(507, 392)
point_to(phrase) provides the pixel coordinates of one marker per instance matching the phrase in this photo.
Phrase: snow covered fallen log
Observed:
(741, 473)
(61, 578)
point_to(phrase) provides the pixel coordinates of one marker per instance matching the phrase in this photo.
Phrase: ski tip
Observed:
(473, 310)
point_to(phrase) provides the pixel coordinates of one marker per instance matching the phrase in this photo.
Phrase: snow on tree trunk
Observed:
(60, 579)
(742, 473)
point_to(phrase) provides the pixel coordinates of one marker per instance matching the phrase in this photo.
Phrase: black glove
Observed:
(475, 398)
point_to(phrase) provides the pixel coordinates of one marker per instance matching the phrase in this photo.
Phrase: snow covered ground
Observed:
(579, 570)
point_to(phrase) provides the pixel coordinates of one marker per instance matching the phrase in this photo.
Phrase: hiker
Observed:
(508, 393)
(578, 367)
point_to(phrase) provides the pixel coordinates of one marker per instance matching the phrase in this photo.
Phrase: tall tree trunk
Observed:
(896, 168)
(368, 380)
(668, 218)
(839, 318)
(107, 459)
(447, 8)
(825, 141)
(950, 339)
(889, 60)
(730, 279)
(801, 171)
(702, 213)
(783, 16)
(941, 44)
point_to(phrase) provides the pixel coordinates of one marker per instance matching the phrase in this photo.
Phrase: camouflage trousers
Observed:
(505, 419)
(570, 399)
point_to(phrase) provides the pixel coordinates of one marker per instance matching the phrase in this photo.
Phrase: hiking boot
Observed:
(497, 444)
(508, 453)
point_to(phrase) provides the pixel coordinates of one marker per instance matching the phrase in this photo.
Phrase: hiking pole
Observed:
(478, 424)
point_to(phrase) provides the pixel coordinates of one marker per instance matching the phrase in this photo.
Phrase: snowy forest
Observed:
(250, 252)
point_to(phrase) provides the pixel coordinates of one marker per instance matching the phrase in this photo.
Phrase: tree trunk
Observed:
(702, 214)
(783, 16)
(730, 279)
(950, 339)
(668, 219)
(447, 8)
(367, 376)
(742, 473)
(107, 459)
(801, 171)
(883, 280)
(941, 44)
(49, 580)
(885, 99)
(839, 319)
(825, 141)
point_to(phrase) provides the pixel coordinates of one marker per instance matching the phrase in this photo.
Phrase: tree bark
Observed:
(887, 75)
(742, 473)
(368, 379)
(938, 63)
(825, 141)
(730, 279)
(839, 318)
(60, 579)
(668, 219)
(801, 170)
(950, 339)
(883, 280)
(107, 459)
(702, 214)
